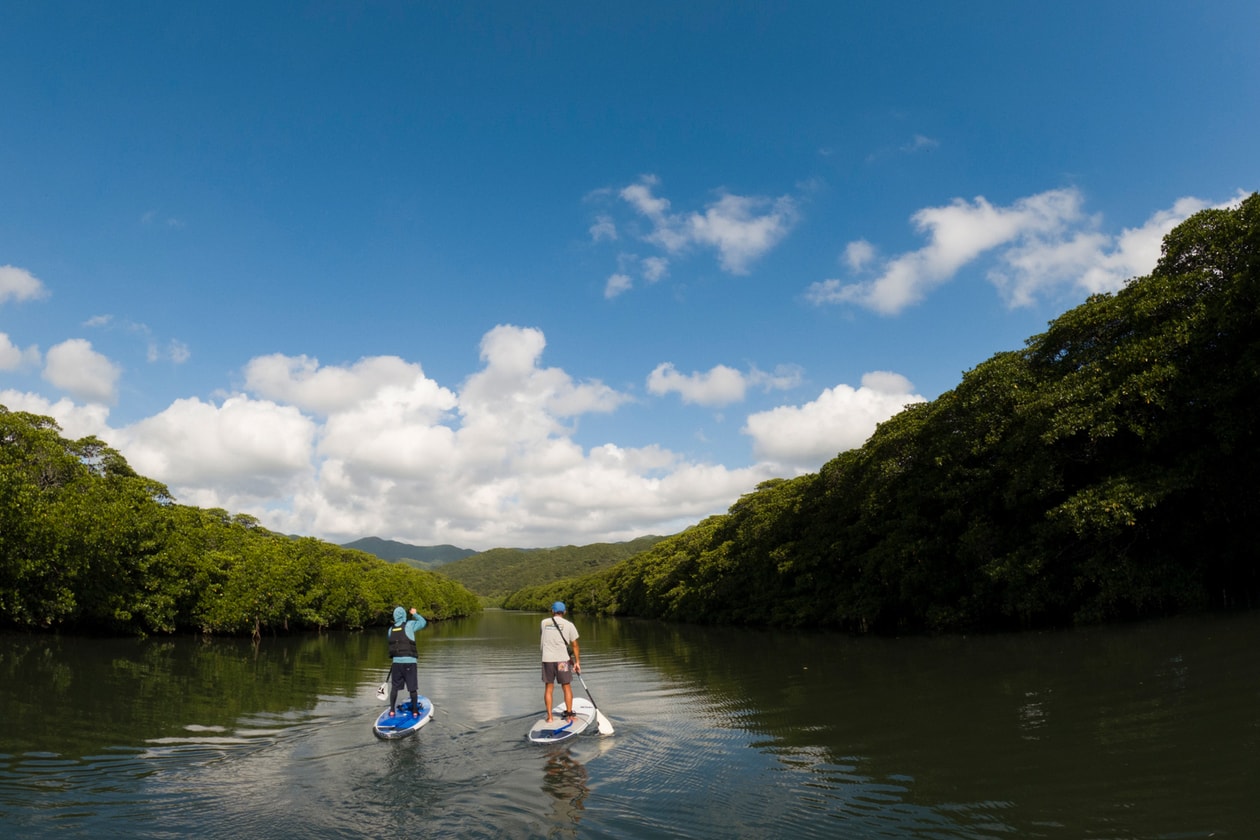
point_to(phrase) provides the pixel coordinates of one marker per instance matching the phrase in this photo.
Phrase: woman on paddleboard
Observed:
(402, 647)
(558, 665)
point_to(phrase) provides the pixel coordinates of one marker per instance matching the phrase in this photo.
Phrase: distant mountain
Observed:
(500, 571)
(420, 556)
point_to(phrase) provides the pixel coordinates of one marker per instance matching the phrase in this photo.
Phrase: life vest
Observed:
(399, 644)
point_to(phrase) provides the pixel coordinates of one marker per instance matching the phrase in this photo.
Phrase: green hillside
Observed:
(495, 573)
(420, 556)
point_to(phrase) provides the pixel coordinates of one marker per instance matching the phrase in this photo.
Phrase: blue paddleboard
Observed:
(403, 722)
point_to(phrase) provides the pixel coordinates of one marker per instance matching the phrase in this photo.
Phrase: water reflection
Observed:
(564, 779)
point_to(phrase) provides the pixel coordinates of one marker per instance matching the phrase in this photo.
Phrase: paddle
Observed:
(605, 725)
(382, 691)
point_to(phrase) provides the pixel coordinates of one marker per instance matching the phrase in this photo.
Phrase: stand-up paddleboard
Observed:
(403, 722)
(559, 729)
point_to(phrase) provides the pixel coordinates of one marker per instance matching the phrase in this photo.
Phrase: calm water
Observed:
(1149, 731)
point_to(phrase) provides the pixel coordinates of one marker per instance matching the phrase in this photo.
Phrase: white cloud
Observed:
(175, 351)
(19, 284)
(720, 385)
(13, 357)
(603, 229)
(300, 381)
(1042, 245)
(654, 268)
(76, 421)
(616, 285)
(740, 229)
(957, 234)
(807, 436)
(242, 449)
(732, 226)
(859, 254)
(516, 398)
(74, 367)
(1088, 261)
(784, 377)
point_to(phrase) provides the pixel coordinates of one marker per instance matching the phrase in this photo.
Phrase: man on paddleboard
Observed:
(558, 665)
(402, 647)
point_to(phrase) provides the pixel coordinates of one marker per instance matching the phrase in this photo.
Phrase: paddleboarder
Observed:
(558, 665)
(402, 647)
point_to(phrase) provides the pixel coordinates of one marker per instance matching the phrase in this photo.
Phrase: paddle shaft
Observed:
(587, 690)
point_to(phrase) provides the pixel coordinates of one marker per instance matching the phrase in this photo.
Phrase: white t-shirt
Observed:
(553, 649)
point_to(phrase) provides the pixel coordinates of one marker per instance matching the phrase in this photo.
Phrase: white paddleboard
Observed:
(559, 729)
(403, 723)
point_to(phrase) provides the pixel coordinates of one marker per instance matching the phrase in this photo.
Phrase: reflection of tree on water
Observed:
(565, 779)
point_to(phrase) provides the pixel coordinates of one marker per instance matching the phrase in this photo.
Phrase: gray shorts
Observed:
(558, 672)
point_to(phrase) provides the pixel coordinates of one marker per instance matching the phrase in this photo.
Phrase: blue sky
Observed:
(509, 274)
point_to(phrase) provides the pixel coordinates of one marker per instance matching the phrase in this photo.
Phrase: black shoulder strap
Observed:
(562, 638)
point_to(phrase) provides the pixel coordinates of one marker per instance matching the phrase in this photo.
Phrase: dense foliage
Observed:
(500, 571)
(1106, 471)
(87, 544)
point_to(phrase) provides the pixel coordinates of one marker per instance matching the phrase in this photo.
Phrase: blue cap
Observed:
(558, 606)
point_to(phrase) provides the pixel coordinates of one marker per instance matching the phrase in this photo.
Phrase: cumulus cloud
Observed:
(74, 367)
(19, 284)
(720, 385)
(738, 229)
(1088, 261)
(804, 437)
(14, 358)
(76, 421)
(376, 447)
(255, 447)
(717, 386)
(300, 381)
(503, 465)
(1041, 244)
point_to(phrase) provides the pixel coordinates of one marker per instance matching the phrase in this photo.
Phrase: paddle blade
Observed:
(383, 691)
(605, 725)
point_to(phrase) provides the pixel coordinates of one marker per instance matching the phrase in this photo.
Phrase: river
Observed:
(1138, 731)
